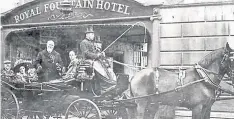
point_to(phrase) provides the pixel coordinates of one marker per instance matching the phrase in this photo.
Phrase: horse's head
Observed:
(227, 62)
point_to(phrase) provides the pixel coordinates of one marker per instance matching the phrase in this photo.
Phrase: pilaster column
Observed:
(154, 46)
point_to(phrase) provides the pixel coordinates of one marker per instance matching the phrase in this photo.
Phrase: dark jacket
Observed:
(88, 49)
(49, 63)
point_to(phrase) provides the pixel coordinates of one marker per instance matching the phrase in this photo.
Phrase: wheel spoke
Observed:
(12, 102)
(4, 116)
(89, 112)
(86, 106)
(112, 113)
(108, 112)
(73, 114)
(77, 110)
(92, 117)
(82, 111)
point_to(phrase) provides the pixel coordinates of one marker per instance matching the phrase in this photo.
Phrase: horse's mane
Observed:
(211, 57)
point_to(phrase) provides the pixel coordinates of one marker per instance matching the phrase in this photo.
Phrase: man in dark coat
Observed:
(49, 63)
(92, 53)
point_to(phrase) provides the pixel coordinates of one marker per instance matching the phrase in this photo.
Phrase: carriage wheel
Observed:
(10, 104)
(115, 113)
(83, 109)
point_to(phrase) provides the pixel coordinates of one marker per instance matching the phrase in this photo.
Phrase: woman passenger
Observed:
(22, 76)
(72, 67)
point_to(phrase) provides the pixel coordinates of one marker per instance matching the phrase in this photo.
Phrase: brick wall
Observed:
(189, 33)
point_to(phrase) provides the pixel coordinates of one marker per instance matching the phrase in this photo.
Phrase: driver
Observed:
(91, 52)
(49, 64)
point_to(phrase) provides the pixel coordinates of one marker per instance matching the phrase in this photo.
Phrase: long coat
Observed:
(49, 63)
(88, 49)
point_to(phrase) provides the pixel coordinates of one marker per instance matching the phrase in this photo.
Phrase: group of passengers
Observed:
(49, 66)
(25, 72)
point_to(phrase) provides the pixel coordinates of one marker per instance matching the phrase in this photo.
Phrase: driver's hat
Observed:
(230, 43)
(89, 29)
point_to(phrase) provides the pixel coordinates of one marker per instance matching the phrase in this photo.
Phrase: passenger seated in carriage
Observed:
(73, 65)
(24, 73)
(21, 75)
(7, 73)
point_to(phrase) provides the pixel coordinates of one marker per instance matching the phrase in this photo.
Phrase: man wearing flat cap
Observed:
(49, 64)
(92, 53)
(7, 73)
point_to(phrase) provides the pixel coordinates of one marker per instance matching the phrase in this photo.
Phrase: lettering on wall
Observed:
(77, 4)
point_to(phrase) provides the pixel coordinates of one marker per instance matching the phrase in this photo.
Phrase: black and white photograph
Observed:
(117, 59)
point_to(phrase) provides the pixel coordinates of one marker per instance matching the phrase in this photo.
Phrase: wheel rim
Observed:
(83, 109)
(10, 105)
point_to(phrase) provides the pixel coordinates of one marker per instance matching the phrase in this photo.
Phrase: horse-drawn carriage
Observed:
(72, 98)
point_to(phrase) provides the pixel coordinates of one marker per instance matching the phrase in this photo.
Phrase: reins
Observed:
(157, 94)
(206, 71)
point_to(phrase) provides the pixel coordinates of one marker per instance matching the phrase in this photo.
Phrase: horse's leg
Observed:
(165, 112)
(207, 113)
(197, 112)
(141, 106)
(208, 109)
(131, 112)
(151, 110)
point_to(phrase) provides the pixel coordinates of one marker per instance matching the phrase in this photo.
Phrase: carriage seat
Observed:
(85, 71)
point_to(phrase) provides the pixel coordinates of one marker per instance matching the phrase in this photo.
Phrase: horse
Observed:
(198, 97)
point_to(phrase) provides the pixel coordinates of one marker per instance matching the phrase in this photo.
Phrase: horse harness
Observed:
(203, 73)
(179, 80)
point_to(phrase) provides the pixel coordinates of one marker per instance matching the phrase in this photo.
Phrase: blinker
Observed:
(231, 56)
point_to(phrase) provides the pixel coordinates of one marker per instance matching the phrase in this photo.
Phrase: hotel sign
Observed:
(78, 4)
(49, 11)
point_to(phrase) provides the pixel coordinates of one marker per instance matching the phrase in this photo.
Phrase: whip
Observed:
(125, 33)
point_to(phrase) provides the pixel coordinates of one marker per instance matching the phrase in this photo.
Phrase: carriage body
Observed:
(58, 97)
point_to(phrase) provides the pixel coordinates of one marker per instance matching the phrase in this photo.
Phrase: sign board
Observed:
(49, 11)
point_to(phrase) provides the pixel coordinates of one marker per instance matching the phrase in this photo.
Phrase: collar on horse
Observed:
(204, 74)
(205, 77)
